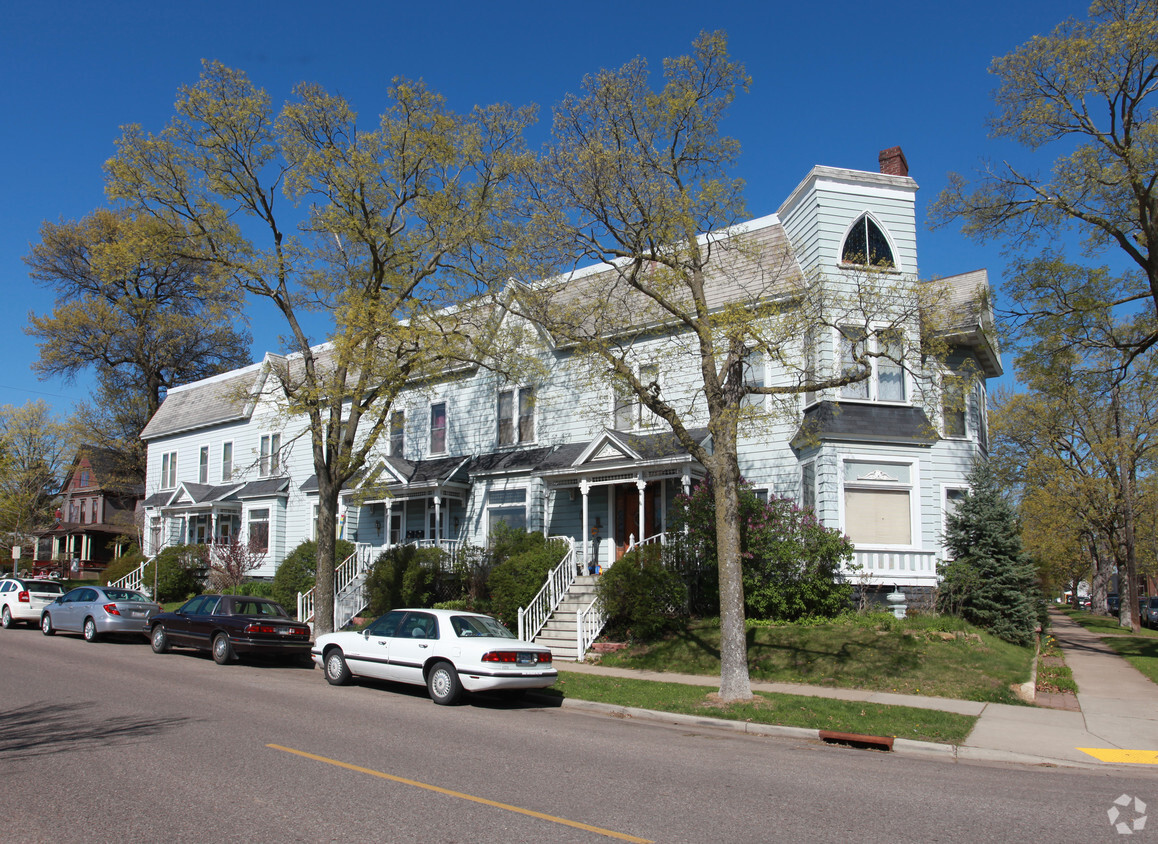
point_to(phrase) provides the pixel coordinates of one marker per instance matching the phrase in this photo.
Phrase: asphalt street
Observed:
(109, 740)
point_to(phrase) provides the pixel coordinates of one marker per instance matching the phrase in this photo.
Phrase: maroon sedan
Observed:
(229, 626)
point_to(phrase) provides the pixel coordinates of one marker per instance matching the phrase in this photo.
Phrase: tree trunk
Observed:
(725, 473)
(326, 554)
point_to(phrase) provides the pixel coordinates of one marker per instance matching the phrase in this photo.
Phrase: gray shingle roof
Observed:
(878, 423)
(223, 398)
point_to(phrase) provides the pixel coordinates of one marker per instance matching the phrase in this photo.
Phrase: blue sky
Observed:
(833, 83)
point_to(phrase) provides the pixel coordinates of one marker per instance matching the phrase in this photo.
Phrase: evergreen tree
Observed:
(991, 581)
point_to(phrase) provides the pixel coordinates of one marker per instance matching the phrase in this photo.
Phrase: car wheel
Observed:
(337, 672)
(222, 650)
(46, 625)
(90, 630)
(158, 640)
(443, 684)
(6, 618)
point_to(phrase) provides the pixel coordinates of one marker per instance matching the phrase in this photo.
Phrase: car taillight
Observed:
(260, 628)
(111, 609)
(22, 597)
(513, 656)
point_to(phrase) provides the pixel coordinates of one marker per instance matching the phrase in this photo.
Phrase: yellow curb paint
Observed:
(1113, 754)
(599, 830)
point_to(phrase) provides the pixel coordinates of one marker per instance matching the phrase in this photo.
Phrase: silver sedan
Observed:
(95, 611)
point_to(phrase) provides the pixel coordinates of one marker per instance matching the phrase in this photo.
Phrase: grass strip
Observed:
(1107, 624)
(768, 708)
(923, 655)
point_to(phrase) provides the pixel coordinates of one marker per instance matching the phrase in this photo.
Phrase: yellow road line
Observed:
(609, 833)
(1113, 754)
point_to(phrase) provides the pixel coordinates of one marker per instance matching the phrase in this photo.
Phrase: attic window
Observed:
(867, 245)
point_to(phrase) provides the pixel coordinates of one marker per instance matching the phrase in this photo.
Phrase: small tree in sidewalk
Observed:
(991, 581)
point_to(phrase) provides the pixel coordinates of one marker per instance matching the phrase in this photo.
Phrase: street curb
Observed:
(901, 746)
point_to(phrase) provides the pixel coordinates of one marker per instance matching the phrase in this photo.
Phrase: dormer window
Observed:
(867, 245)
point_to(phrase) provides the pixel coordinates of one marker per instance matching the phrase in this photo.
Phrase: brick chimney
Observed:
(893, 162)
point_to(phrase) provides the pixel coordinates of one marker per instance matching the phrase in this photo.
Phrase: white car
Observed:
(445, 650)
(22, 599)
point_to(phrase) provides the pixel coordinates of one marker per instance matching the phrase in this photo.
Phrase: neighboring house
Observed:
(95, 518)
(883, 460)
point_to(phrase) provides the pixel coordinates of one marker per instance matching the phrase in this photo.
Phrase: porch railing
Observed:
(589, 623)
(535, 614)
(917, 565)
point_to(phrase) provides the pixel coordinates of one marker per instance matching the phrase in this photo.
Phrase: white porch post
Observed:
(386, 522)
(437, 518)
(584, 488)
(641, 485)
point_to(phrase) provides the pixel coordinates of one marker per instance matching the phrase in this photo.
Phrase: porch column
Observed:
(437, 518)
(212, 526)
(386, 521)
(641, 485)
(584, 488)
(687, 482)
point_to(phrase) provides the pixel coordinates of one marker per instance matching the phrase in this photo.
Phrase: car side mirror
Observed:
(366, 633)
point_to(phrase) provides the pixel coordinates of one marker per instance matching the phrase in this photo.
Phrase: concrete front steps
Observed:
(559, 632)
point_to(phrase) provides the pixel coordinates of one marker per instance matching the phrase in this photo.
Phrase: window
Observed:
(507, 507)
(270, 454)
(754, 377)
(949, 507)
(954, 413)
(83, 511)
(522, 428)
(866, 245)
(886, 379)
(226, 462)
(203, 465)
(808, 485)
(438, 428)
(630, 412)
(810, 365)
(169, 470)
(397, 433)
(259, 529)
(85, 478)
(878, 502)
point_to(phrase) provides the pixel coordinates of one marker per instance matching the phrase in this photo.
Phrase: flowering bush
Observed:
(791, 562)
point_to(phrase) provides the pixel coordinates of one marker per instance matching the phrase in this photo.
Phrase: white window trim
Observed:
(224, 477)
(269, 462)
(390, 434)
(945, 489)
(914, 488)
(884, 230)
(446, 428)
(757, 401)
(874, 364)
(526, 504)
(248, 522)
(169, 470)
(516, 391)
(814, 462)
(203, 464)
(642, 416)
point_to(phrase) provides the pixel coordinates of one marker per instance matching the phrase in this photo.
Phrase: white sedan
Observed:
(445, 650)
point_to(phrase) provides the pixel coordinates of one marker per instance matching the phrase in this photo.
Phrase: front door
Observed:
(627, 525)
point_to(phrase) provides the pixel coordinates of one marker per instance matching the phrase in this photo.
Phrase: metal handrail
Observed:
(535, 614)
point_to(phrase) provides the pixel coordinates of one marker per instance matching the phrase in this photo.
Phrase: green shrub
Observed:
(407, 576)
(516, 579)
(177, 572)
(641, 598)
(121, 566)
(792, 565)
(262, 589)
(298, 571)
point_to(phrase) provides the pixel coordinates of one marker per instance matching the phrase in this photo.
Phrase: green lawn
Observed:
(1140, 649)
(784, 710)
(926, 655)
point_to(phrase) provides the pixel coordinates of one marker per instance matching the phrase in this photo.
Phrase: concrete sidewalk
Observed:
(1119, 711)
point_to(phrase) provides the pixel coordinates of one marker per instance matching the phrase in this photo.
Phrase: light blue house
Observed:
(883, 460)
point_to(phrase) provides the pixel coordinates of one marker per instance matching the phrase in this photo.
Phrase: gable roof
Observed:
(211, 401)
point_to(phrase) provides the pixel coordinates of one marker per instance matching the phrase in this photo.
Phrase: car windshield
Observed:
(1154, 603)
(126, 595)
(466, 626)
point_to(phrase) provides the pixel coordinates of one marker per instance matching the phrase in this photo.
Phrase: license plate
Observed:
(528, 659)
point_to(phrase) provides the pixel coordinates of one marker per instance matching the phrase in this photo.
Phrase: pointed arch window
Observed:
(867, 245)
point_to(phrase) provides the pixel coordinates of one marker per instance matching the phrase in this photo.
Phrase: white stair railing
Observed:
(535, 615)
(589, 623)
(135, 579)
(345, 573)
